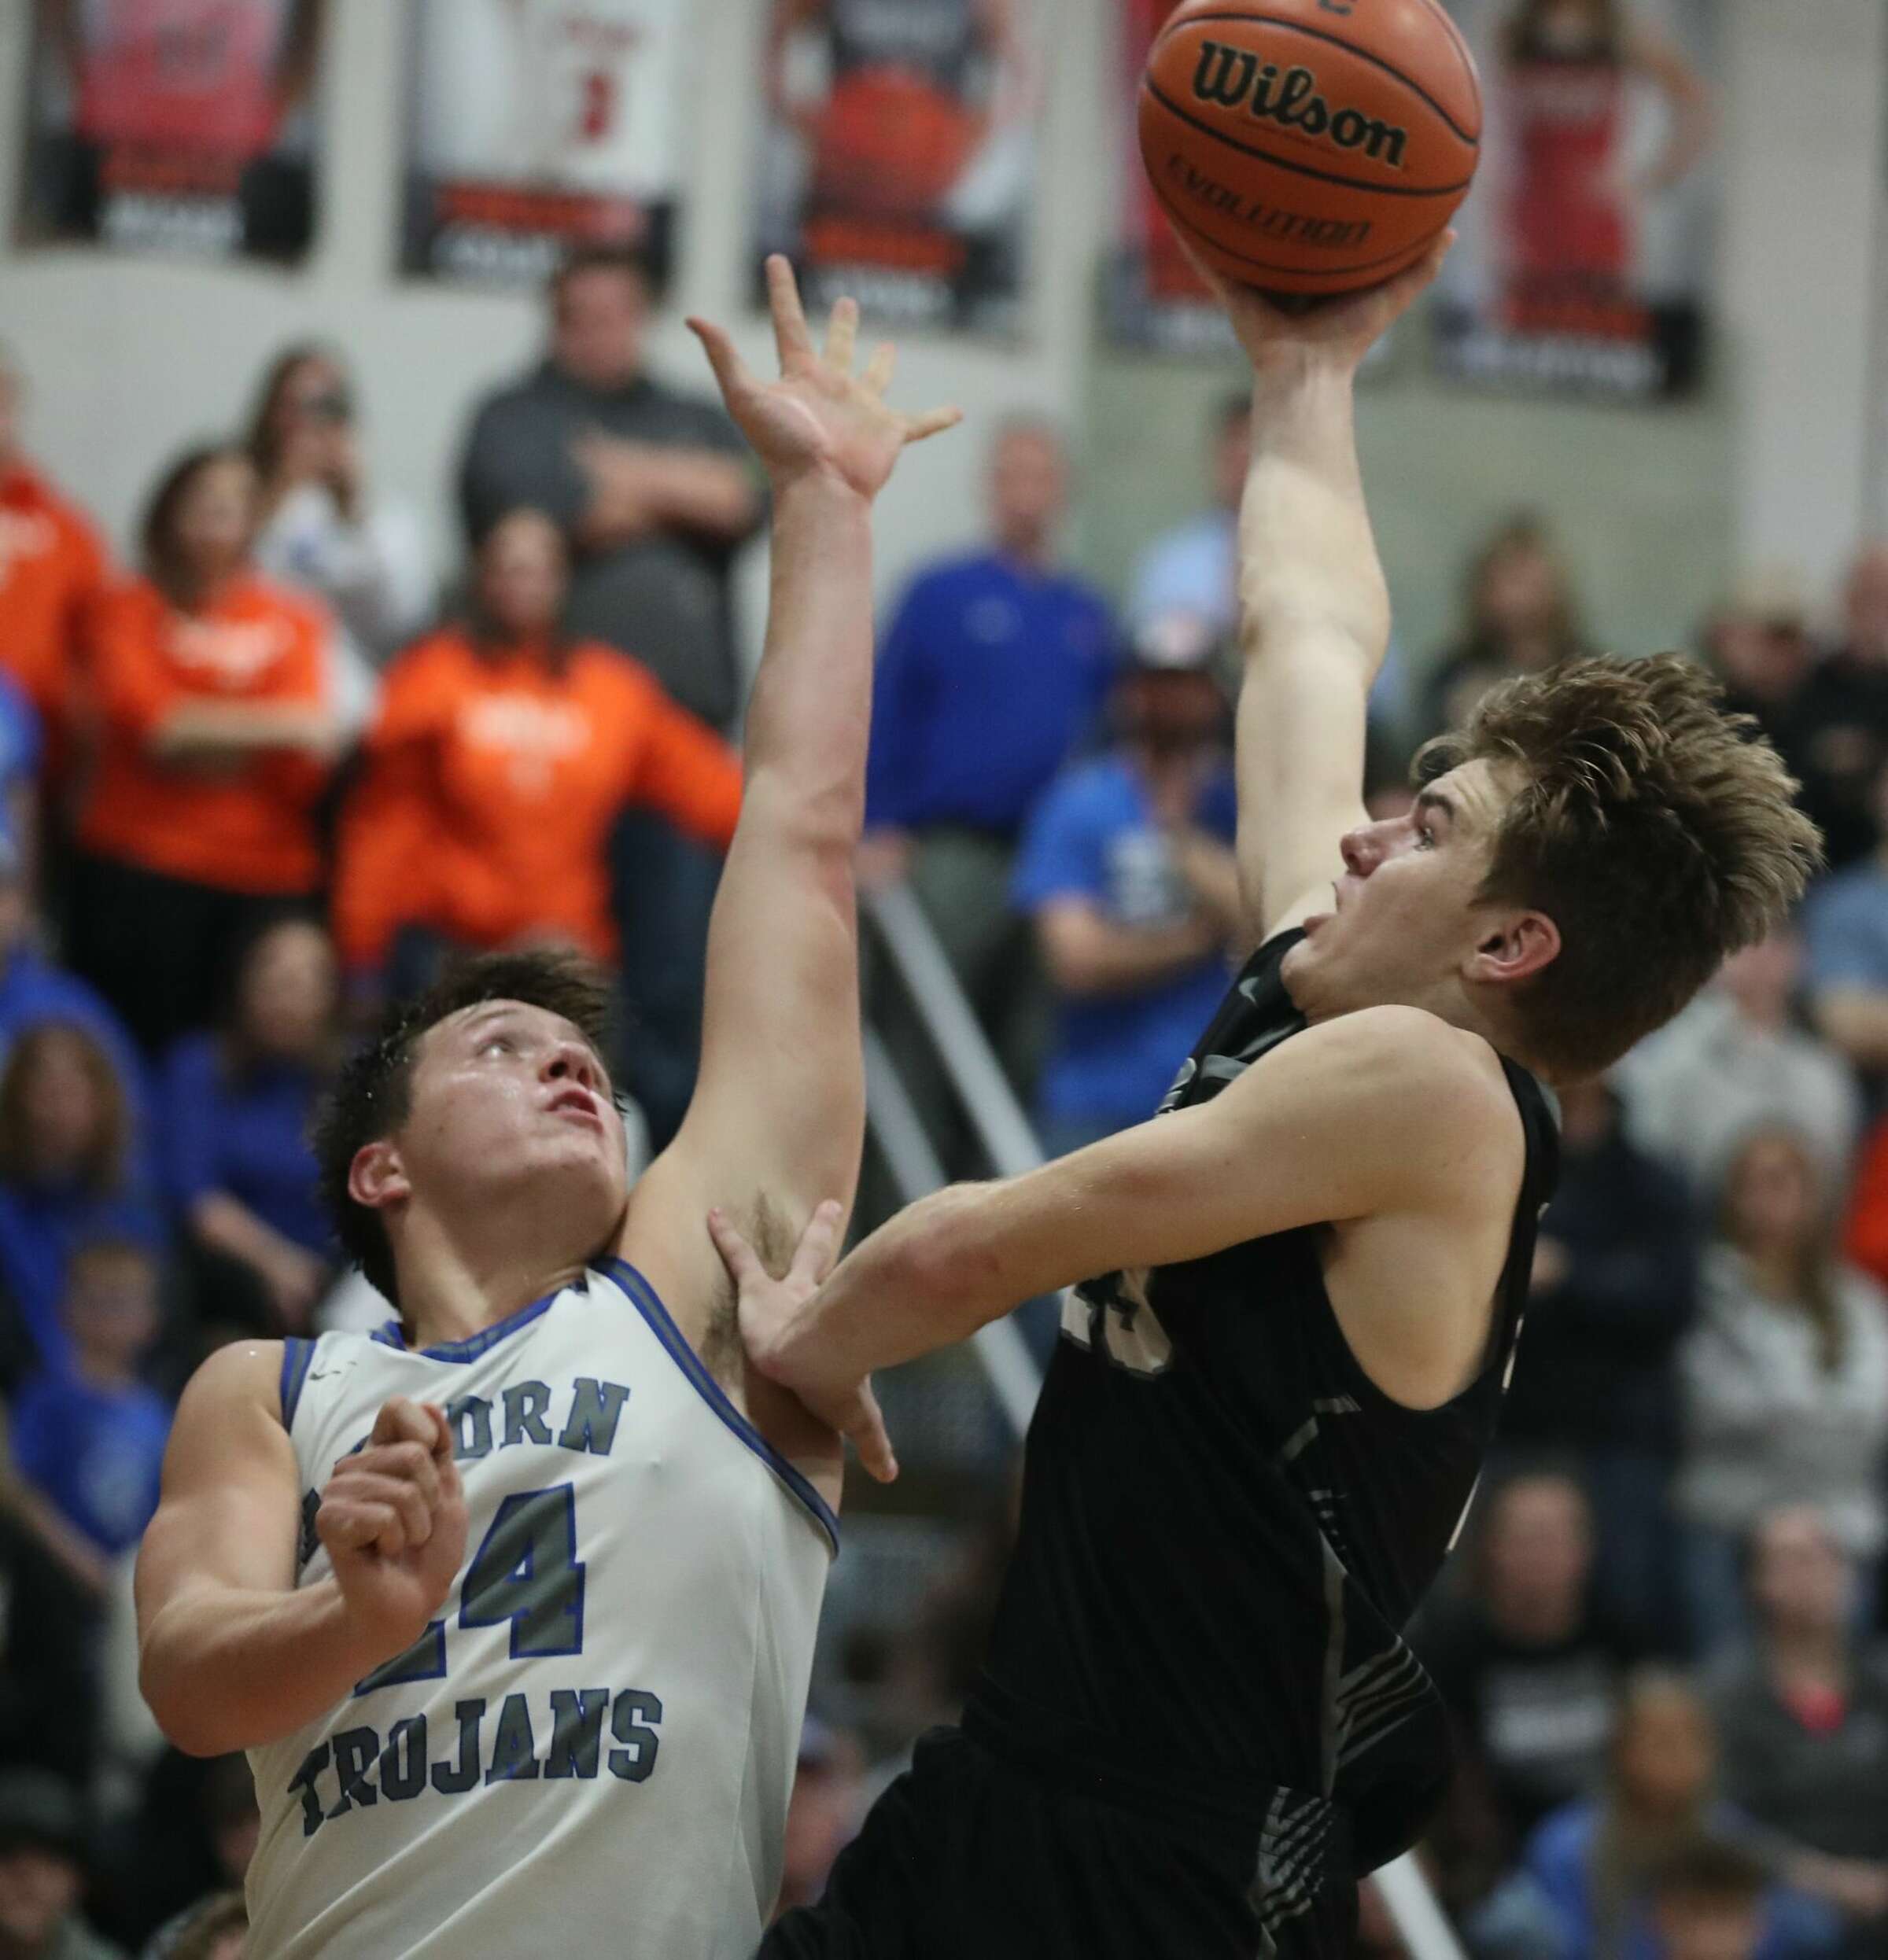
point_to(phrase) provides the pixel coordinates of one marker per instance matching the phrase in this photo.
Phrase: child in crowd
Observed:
(90, 1438)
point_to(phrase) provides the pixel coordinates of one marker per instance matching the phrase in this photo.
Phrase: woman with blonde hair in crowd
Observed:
(216, 738)
(1784, 1378)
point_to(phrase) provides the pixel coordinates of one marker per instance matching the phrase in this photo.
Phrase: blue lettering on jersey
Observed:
(339, 1777)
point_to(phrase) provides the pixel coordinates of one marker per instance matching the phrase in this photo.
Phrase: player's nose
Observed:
(572, 1062)
(1360, 850)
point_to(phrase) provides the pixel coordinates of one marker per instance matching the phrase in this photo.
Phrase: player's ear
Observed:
(377, 1178)
(1514, 946)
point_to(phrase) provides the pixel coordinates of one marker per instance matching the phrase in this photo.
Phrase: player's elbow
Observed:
(187, 1708)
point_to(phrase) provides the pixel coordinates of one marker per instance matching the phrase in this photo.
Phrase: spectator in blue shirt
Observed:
(1845, 935)
(994, 668)
(235, 1110)
(66, 1176)
(89, 1438)
(1128, 871)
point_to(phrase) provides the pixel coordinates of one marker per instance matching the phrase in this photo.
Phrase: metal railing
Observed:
(1009, 1141)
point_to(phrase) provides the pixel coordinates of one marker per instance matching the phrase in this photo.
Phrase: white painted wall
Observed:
(130, 358)
(1808, 121)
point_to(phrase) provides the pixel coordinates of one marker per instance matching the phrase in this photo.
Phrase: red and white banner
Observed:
(536, 125)
(174, 125)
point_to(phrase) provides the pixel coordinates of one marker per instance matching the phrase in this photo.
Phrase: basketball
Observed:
(1310, 146)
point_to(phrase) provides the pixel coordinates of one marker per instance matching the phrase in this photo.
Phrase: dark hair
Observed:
(1706, 1868)
(105, 1164)
(262, 442)
(1659, 832)
(163, 563)
(372, 1096)
(601, 258)
(1814, 1266)
(486, 633)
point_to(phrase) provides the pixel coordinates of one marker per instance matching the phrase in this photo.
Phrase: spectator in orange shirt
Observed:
(503, 753)
(52, 567)
(214, 739)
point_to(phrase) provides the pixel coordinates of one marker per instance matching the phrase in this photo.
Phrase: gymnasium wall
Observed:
(130, 358)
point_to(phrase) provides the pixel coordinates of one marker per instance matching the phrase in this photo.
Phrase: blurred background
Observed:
(379, 579)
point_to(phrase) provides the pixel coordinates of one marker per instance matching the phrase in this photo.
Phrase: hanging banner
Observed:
(1584, 254)
(899, 157)
(535, 126)
(173, 126)
(1151, 298)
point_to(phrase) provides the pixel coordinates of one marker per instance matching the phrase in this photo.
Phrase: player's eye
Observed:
(1425, 838)
(503, 1043)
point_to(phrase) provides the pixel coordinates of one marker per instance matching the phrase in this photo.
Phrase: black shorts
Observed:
(979, 1852)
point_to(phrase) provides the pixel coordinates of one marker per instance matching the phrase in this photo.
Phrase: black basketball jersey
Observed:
(1226, 1525)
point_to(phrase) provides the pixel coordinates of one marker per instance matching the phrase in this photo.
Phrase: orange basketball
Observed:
(1309, 145)
(890, 145)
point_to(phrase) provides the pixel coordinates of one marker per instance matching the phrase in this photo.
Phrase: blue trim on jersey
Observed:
(648, 1303)
(470, 1348)
(297, 1359)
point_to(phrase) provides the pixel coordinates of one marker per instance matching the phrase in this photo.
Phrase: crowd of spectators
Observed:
(272, 769)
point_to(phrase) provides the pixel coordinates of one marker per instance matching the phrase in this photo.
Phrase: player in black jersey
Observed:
(1262, 1428)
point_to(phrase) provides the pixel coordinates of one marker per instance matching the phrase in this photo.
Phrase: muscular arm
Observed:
(230, 1655)
(1384, 1113)
(1315, 614)
(778, 1109)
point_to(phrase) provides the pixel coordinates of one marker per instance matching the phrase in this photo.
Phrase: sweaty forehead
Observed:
(460, 1031)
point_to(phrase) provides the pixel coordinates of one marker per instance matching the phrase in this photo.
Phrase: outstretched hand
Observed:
(770, 1310)
(1342, 330)
(819, 417)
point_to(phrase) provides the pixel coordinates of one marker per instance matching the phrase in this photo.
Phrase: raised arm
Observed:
(778, 1115)
(1385, 1113)
(1315, 611)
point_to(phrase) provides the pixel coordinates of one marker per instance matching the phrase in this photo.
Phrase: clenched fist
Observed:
(393, 1519)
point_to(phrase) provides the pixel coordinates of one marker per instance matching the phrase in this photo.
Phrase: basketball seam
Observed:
(1335, 41)
(1302, 170)
(1271, 265)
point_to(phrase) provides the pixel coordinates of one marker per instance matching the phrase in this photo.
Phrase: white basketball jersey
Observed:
(592, 1747)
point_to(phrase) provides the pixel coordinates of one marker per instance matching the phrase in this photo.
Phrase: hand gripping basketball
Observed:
(774, 1312)
(819, 418)
(393, 1520)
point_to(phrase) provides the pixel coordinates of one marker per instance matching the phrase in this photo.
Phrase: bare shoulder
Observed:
(1432, 1099)
(232, 1405)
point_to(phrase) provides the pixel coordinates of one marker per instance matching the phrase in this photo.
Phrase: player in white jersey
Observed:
(512, 1605)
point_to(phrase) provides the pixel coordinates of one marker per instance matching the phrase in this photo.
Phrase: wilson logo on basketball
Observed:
(1231, 78)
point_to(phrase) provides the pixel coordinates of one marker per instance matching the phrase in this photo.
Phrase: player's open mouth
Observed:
(578, 1103)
